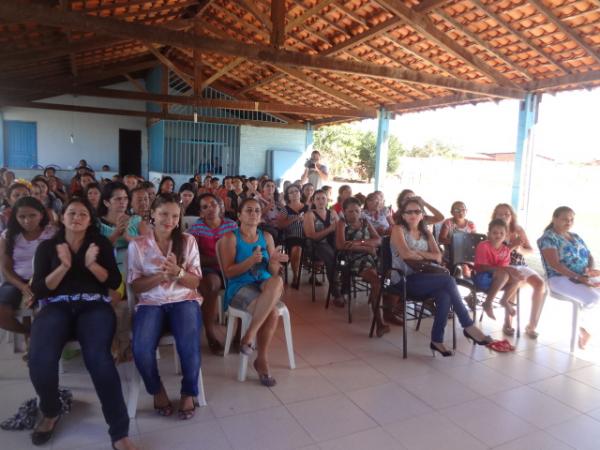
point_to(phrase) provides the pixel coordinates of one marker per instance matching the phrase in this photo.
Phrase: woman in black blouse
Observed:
(72, 275)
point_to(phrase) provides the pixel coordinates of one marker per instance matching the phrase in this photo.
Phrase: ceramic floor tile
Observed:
(589, 375)
(433, 431)
(229, 397)
(476, 417)
(519, 368)
(194, 436)
(301, 384)
(352, 375)
(272, 428)
(554, 359)
(535, 441)
(438, 390)
(481, 378)
(582, 433)
(571, 392)
(388, 403)
(330, 417)
(375, 438)
(534, 406)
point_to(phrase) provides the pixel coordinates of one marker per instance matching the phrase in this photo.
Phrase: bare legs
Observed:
(501, 280)
(209, 288)
(9, 322)
(295, 254)
(537, 302)
(371, 277)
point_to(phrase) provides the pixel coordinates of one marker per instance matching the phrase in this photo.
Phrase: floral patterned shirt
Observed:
(572, 254)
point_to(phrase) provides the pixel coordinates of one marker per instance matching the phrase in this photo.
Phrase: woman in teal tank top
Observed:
(251, 264)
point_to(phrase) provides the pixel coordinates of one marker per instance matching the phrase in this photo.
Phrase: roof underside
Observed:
(322, 61)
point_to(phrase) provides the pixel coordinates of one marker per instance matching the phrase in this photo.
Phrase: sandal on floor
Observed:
(502, 346)
(187, 414)
(247, 349)
(508, 331)
(531, 333)
(264, 378)
(164, 410)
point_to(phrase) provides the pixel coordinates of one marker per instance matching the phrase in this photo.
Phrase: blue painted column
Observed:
(524, 152)
(310, 138)
(1, 139)
(381, 147)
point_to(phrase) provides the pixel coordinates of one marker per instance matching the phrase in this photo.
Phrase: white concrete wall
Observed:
(255, 141)
(96, 136)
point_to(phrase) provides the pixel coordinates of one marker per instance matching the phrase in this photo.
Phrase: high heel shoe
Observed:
(41, 437)
(485, 341)
(444, 353)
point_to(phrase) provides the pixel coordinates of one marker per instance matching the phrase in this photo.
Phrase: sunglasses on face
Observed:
(413, 211)
(459, 210)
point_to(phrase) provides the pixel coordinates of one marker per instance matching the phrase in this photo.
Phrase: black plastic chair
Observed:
(462, 252)
(399, 289)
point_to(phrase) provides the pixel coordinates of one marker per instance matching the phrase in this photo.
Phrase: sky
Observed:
(568, 128)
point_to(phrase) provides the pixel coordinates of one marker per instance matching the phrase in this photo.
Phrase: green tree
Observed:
(433, 148)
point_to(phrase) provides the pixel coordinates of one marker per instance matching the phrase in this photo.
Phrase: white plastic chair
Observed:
(134, 376)
(245, 318)
(188, 221)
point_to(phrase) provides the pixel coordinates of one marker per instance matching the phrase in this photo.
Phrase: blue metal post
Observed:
(524, 153)
(310, 138)
(381, 149)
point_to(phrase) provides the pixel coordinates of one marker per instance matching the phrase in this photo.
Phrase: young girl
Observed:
(93, 193)
(518, 243)
(29, 225)
(492, 264)
(344, 192)
(14, 192)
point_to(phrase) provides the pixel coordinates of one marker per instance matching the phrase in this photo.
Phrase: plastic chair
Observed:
(462, 251)
(188, 221)
(134, 376)
(576, 305)
(245, 318)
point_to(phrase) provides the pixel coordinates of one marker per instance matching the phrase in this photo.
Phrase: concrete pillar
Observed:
(381, 148)
(524, 152)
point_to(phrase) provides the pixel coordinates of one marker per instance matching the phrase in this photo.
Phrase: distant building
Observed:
(501, 156)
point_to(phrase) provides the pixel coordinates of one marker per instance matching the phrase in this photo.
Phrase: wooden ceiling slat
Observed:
(429, 5)
(308, 13)
(225, 70)
(168, 63)
(263, 18)
(425, 26)
(278, 13)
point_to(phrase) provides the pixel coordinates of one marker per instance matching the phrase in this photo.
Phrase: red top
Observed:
(486, 255)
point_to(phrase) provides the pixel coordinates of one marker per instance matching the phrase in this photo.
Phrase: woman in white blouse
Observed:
(164, 271)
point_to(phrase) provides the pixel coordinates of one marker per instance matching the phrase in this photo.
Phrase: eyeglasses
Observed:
(459, 210)
(413, 211)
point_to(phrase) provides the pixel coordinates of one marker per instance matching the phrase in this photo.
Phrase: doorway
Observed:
(130, 152)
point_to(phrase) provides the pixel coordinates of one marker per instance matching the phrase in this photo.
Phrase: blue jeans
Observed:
(442, 288)
(184, 320)
(93, 325)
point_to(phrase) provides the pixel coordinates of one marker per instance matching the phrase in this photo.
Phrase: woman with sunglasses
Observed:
(411, 240)
(434, 215)
(207, 230)
(291, 220)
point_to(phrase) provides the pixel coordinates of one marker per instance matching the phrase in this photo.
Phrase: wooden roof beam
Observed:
(264, 19)
(68, 19)
(434, 102)
(571, 34)
(461, 28)
(428, 5)
(592, 76)
(168, 63)
(278, 13)
(144, 114)
(293, 23)
(219, 73)
(520, 35)
(425, 26)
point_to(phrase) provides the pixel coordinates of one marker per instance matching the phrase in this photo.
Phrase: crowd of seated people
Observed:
(78, 234)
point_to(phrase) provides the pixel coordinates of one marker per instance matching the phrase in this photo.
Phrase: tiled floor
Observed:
(351, 392)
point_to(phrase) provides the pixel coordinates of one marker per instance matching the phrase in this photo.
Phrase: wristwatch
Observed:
(180, 274)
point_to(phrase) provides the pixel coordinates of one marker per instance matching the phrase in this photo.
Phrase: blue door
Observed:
(20, 144)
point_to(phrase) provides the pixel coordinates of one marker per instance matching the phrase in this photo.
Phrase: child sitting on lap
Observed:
(493, 273)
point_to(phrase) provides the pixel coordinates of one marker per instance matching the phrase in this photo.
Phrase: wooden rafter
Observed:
(592, 76)
(425, 26)
(264, 19)
(308, 13)
(261, 53)
(433, 102)
(135, 83)
(133, 113)
(520, 35)
(219, 73)
(428, 5)
(571, 34)
(278, 12)
(462, 28)
(168, 63)
(269, 79)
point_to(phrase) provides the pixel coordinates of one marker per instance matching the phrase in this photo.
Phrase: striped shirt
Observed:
(207, 237)
(294, 229)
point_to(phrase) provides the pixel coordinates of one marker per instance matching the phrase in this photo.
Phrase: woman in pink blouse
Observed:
(164, 271)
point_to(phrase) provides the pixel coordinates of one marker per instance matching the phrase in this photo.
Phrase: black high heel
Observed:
(487, 340)
(41, 437)
(444, 353)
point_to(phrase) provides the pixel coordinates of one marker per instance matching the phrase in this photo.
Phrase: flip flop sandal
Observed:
(264, 378)
(165, 411)
(502, 346)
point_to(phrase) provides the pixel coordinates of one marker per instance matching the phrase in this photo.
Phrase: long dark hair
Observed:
(176, 234)
(14, 228)
(400, 219)
(557, 213)
(91, 231)
(512, 226)
(162, 181)
(13, 187)
(107, 193)
(402, 197)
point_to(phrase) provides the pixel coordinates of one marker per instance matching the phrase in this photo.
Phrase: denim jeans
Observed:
(184, 320)
(442, 288)
(93, 325)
